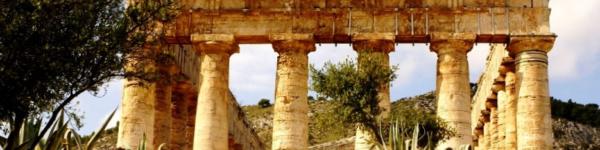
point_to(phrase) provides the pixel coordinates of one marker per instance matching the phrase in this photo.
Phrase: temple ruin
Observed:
(510, 110)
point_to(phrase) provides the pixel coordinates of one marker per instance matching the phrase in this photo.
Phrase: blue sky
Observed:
(574, 67)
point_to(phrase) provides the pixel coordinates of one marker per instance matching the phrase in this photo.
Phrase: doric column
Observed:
(211, 129)
(192, 101)
(162, 109)
(534, 122)
(290, 118)
(453, 92)
(491, 107)
(485, 121)
(478, 136)
(501, 108)
(374, 45)
(507, 68)
(494, 127)
(137, 105)
(179, 115)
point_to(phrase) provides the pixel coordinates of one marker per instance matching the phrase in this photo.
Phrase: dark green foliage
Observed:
(264, 103)
(354, 88)
(408, 112)
(52, 51)
(586, 114)
(310, 98)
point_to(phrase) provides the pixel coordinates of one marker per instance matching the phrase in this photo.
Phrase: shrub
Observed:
(264, 103)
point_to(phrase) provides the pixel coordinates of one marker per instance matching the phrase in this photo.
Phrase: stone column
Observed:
(453, 92)
(507, 68)
(290, 118)
(500, 118)
(478, 136)
(494, 127)
(375, 45)
(137, 105)
(491, 105)
(486, 136)
(162, 110)
(534, 122)
(211, 129)
(192, 101)
(179, 115)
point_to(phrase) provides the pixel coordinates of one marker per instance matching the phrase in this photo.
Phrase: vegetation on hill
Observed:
(324, 126)
(588, 114)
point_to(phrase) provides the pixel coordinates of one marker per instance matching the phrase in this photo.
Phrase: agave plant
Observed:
(59, 137)
(401, 139)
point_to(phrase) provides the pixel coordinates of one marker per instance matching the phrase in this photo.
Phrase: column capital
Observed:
(507, 65)
(375, 42)
(498, 84)
(292, 42)
(521, 43)
(443, 41)
(214, 43)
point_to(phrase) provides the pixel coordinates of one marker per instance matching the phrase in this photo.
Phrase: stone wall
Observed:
(342, 144)
(241, 134)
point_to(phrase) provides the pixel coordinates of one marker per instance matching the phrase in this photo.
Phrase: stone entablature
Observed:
(338, 25)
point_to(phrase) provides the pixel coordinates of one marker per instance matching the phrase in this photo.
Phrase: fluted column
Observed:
(501, 108)
(453, 92)
(179, 115)
(494, 127)
(137, 105)
(290, 118)
(190, 123)
(507, 68)
(211, 129)
(374, 45)
(487, 136)
(162, 110)
(534, 122)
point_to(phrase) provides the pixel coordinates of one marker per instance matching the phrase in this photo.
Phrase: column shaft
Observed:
(534, 122)
(453, 92)
(511, 111)
(211, 128)
(494, 127)
(137, 106)
(162, 109)
(487, 136)
(179, 116)
(192, 98)
(499, 117)
(290, 118)
(211, 114)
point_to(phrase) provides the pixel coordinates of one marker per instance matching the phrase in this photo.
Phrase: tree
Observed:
(264, 103)
(354, 88)
(310, 98)
(52, 51)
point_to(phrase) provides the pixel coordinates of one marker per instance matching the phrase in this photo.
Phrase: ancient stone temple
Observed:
(193, 107)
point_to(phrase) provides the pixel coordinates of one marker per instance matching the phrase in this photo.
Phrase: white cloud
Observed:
(252, 73)
(576, 52)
